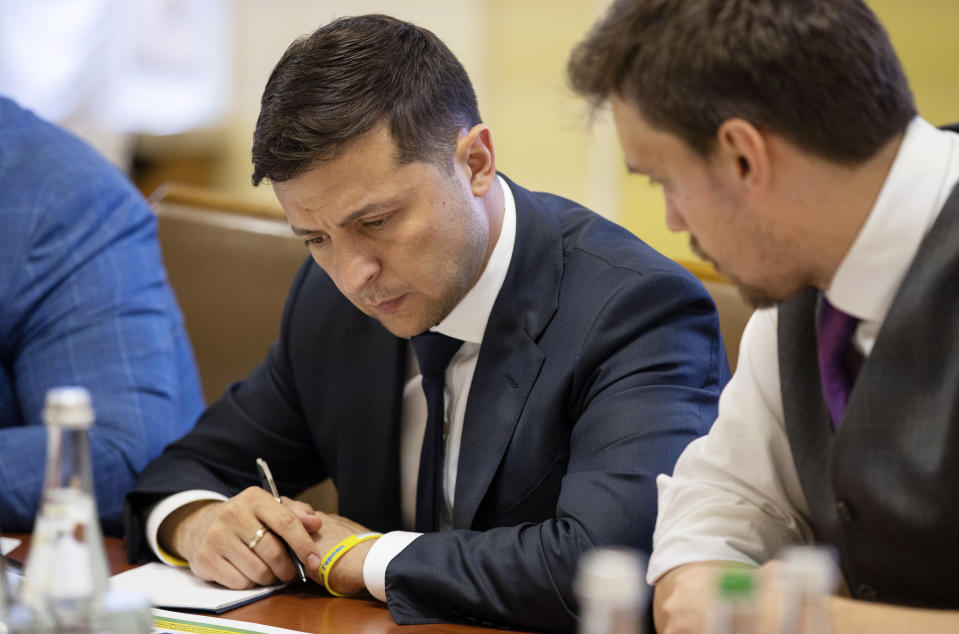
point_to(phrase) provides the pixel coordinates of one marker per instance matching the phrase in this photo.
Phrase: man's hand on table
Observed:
(216, 538)
(684, 596)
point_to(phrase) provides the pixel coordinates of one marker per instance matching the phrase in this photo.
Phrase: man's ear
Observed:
(744, 154)
(474, 156)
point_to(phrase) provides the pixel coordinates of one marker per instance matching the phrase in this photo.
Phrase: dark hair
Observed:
(820, 73)
(348, 77)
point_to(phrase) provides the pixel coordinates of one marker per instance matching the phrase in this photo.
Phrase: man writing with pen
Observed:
(325, 566)
(492, 377)
(267, 482)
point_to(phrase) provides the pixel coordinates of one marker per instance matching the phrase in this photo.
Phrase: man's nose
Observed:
(356, 268)
(674, 219)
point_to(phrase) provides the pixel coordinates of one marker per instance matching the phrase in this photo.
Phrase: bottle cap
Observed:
(612, 575)
(810, 569)
(738, 583)
(68, 407)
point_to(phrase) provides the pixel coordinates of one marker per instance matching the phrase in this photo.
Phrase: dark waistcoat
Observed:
(884, 488)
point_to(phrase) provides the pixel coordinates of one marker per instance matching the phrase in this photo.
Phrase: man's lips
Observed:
(389, 306)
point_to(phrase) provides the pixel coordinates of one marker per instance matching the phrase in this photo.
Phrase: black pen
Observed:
(267, 482)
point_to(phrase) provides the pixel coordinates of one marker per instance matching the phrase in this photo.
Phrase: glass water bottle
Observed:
(810, 576)
(735, 607)
(611, 591)
(65, 579)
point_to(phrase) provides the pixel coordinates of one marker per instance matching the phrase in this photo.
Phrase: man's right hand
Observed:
(215, 538)
(684, 596)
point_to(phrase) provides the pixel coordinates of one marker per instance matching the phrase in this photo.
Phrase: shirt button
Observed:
(844, 512)
(866, 592)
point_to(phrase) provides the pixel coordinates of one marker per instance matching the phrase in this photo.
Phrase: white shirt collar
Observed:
(467, 320)
(908, 204)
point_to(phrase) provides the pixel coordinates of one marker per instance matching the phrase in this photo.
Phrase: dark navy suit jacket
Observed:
(601, 360)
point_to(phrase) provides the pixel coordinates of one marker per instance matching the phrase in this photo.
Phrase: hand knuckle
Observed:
(287, 521)
(204, 560)
(249, 492)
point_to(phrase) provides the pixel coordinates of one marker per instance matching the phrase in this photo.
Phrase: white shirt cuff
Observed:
(380, 556)
(159, 512)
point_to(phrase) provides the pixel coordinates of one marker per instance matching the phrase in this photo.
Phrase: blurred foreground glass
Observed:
(14, 616)
(4, 596)
(809, 577)
(735, 606)
(611, 591)
(65, 584)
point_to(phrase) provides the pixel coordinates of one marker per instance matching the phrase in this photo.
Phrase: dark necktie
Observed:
(835, 335)
(433, 351)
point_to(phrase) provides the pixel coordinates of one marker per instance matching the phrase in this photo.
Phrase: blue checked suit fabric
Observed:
(83, 301)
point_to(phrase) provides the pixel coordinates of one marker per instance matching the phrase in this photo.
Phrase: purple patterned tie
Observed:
(835, 335)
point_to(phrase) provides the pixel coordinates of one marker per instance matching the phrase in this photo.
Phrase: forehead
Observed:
(645, 147)
(364, 172)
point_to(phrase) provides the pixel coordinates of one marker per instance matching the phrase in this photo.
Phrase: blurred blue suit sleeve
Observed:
(83, 301)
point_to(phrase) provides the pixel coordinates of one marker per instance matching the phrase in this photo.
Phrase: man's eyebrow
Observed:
(353, 215)
(301, 232)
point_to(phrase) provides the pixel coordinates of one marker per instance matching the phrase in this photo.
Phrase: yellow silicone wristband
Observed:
(334, 555)
(170, 559)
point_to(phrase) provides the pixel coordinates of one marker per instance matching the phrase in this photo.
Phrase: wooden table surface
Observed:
(306, 608)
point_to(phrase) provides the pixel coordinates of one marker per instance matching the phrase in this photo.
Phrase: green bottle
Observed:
(735, 607)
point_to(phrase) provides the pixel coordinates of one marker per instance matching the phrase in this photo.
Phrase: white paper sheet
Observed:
(7, 544)
(171, 587)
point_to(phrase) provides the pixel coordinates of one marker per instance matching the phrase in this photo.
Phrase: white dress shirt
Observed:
(467, 321)
(735, 494)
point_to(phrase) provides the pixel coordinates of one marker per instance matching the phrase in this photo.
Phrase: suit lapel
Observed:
(381, 450)
(509, 359)
(367, 429)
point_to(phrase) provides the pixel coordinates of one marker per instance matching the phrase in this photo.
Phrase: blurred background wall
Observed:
(170, 88)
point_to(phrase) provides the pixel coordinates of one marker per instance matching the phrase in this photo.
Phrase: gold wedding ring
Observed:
(256, 538)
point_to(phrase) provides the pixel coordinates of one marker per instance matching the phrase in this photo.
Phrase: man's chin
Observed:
(765, 298)
(406, 326)
(401, 327)
(755, 297)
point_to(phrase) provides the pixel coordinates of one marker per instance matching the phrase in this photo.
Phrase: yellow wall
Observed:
(924, 34)
(539, 127)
